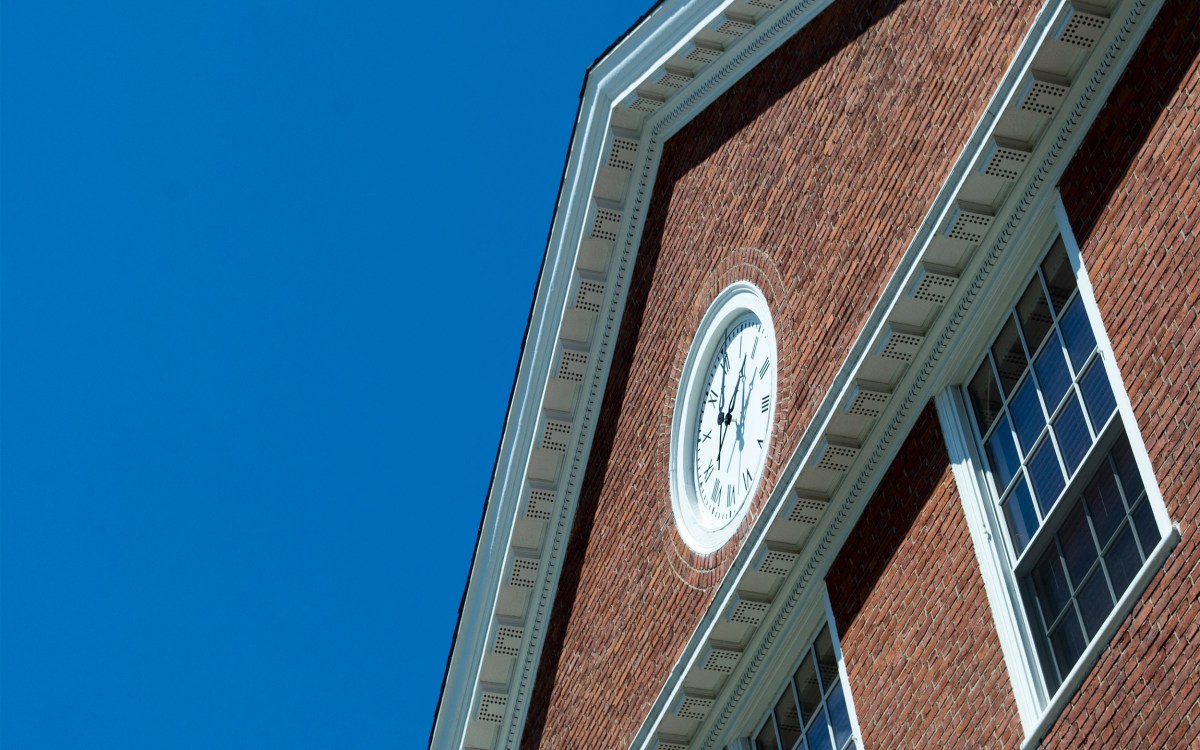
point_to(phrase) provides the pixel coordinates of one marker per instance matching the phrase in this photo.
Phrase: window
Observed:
(1079, 522)
(813, 710)
(1052, 470)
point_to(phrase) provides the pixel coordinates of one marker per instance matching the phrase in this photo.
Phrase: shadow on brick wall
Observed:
(1154, 75)
(891, 513)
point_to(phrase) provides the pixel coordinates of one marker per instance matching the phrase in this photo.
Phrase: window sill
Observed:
(1070, 685)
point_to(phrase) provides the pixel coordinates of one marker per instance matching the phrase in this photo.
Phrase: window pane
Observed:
(1077, 332)
(1050, 585)
(1003, 454)
(818, 734)
(788, 719)
(1053, 375)
(1068, 643)
(1060, 277)
(1097, 394)
(985, 396)
(1147, 527)
(1045, 475)
(1027, 414)
(765, 739)
(1104, 504)
(1009, 356)
(1123, 560)
(1022, 518)
(826, 661)
(1034, 314)
(1072, 433)
(1131, 478)
(807, 687)
(1095, 602)
(839, 717)
(1079, 550)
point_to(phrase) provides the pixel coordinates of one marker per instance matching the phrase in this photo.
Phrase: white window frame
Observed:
(812, 629)
(1038, 708)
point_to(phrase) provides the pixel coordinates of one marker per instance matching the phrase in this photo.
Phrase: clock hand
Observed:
(721, 407)
(732, 399)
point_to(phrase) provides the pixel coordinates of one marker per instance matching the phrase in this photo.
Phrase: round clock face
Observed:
(733, 421)
(721, 430)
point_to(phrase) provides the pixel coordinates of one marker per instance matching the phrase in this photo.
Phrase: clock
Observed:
(721, 427)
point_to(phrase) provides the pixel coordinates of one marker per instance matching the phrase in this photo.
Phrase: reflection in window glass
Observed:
(1034, 314)
(823, 719)
(1052, 374)
(1077, 541)
(1097, 394)
(765, 739)
(1071, 433)
(1060, 277)
(1022, 518)
(1008, 356)
(787, 719)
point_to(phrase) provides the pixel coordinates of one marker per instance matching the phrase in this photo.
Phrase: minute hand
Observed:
(729, 412)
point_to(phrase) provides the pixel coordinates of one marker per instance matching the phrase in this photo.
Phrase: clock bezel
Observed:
(700, 532)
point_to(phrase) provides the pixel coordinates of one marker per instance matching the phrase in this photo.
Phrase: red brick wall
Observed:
(814, 169)
(1133, 195)
(920, 645)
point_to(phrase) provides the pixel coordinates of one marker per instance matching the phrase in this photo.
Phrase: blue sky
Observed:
(264, 273)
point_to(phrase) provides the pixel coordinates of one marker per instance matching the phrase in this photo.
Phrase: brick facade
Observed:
(1133, 195)
(814, 169)
(918, 639)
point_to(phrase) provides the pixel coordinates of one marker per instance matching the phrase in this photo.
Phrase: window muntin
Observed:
(811, 712)
(1078, 519)
(1040, 398)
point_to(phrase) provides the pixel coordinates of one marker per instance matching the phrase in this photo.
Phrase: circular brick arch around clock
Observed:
(698, 570)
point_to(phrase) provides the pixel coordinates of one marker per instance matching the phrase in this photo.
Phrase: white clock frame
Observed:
(737, 299)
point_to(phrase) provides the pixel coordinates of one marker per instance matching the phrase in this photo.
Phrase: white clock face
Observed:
(721, 426)
(732, 423)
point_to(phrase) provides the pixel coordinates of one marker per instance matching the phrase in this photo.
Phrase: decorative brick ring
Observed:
(703, 570)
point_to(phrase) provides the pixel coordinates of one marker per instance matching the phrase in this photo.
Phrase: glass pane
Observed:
(1123, 560)
(1022, 518)
(1097, 394)
(1060, 277)
(839, 717)
(765, 739)
(1147, 527)
(788, 719)
(1009, 356)
(826, 661)
(1077, 332)
(1034, 314)
(1052, 373)
(1131, 478)
(1095, 602)
(1068, 642)
(1003, 454)
(1078, 549)
(1050, 585)
(807, 687)
(985, 396)
(818, 734)
(1027, 414)
(1045, 475)
(1072, 433)
(1104, 503)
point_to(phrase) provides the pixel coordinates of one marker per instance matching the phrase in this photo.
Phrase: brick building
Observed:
(858, 401)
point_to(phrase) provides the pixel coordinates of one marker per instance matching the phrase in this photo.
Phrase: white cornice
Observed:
(626, 113)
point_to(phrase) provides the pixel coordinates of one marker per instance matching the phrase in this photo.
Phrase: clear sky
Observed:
(265, 269)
